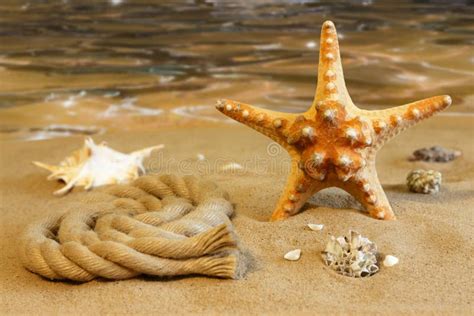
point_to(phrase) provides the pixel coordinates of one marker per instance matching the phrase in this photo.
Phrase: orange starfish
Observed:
(334, 143)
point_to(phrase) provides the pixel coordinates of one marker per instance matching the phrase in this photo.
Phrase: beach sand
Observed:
(433, 236)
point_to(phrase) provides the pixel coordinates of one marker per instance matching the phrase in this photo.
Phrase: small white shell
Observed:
(200, 157)
(293, 255)
(424, 181)
(390, 261)
(316, 227)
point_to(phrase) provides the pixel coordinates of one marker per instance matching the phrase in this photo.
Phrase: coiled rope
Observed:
(158, 225)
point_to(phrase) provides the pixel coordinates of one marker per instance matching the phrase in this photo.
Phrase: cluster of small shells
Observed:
(355, 256)
(435, 154)
(424, 181)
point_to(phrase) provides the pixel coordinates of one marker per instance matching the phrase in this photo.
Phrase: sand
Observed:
(433, 236)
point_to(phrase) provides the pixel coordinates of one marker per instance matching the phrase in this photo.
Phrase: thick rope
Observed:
(159, 225)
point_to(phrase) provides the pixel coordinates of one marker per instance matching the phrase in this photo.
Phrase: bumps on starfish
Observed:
(330, 112)
(315, 164)
(348, 163)
(308, 132)
(277, 123)
(247, 114)
(241, 112)
(351, 134)
(329, 45)
(395, 119)
(425, 108)
(330, 140)
(379, 126)
(330, 64)
(319, 162)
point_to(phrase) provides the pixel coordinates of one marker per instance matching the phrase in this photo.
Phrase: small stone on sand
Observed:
(390, 261)
(435, 154)
(293, 255)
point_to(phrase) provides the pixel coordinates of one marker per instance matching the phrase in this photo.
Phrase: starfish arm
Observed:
(270, 123)
(331, 85)
(299, 188)
(366, 188)
(390, 122)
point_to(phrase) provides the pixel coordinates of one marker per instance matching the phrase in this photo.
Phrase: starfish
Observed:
(334, 143)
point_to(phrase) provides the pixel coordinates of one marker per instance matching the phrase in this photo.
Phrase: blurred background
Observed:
(85, 67)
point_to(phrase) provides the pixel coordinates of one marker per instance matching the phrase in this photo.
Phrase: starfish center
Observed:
(331, 142)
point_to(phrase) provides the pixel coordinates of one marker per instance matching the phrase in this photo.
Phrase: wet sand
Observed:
(432, 236)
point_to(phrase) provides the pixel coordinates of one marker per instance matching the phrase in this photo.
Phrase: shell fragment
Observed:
(293, 255)
(316, 227)
(390, 261)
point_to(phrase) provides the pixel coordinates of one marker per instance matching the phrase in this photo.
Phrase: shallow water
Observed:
(85, 67)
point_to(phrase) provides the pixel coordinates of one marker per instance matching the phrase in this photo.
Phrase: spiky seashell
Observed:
(293, 255)
(95, 165)
(435, 154)
(424, 181)
(355, 256)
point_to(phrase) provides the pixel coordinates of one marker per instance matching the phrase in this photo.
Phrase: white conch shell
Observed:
(95, 165)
